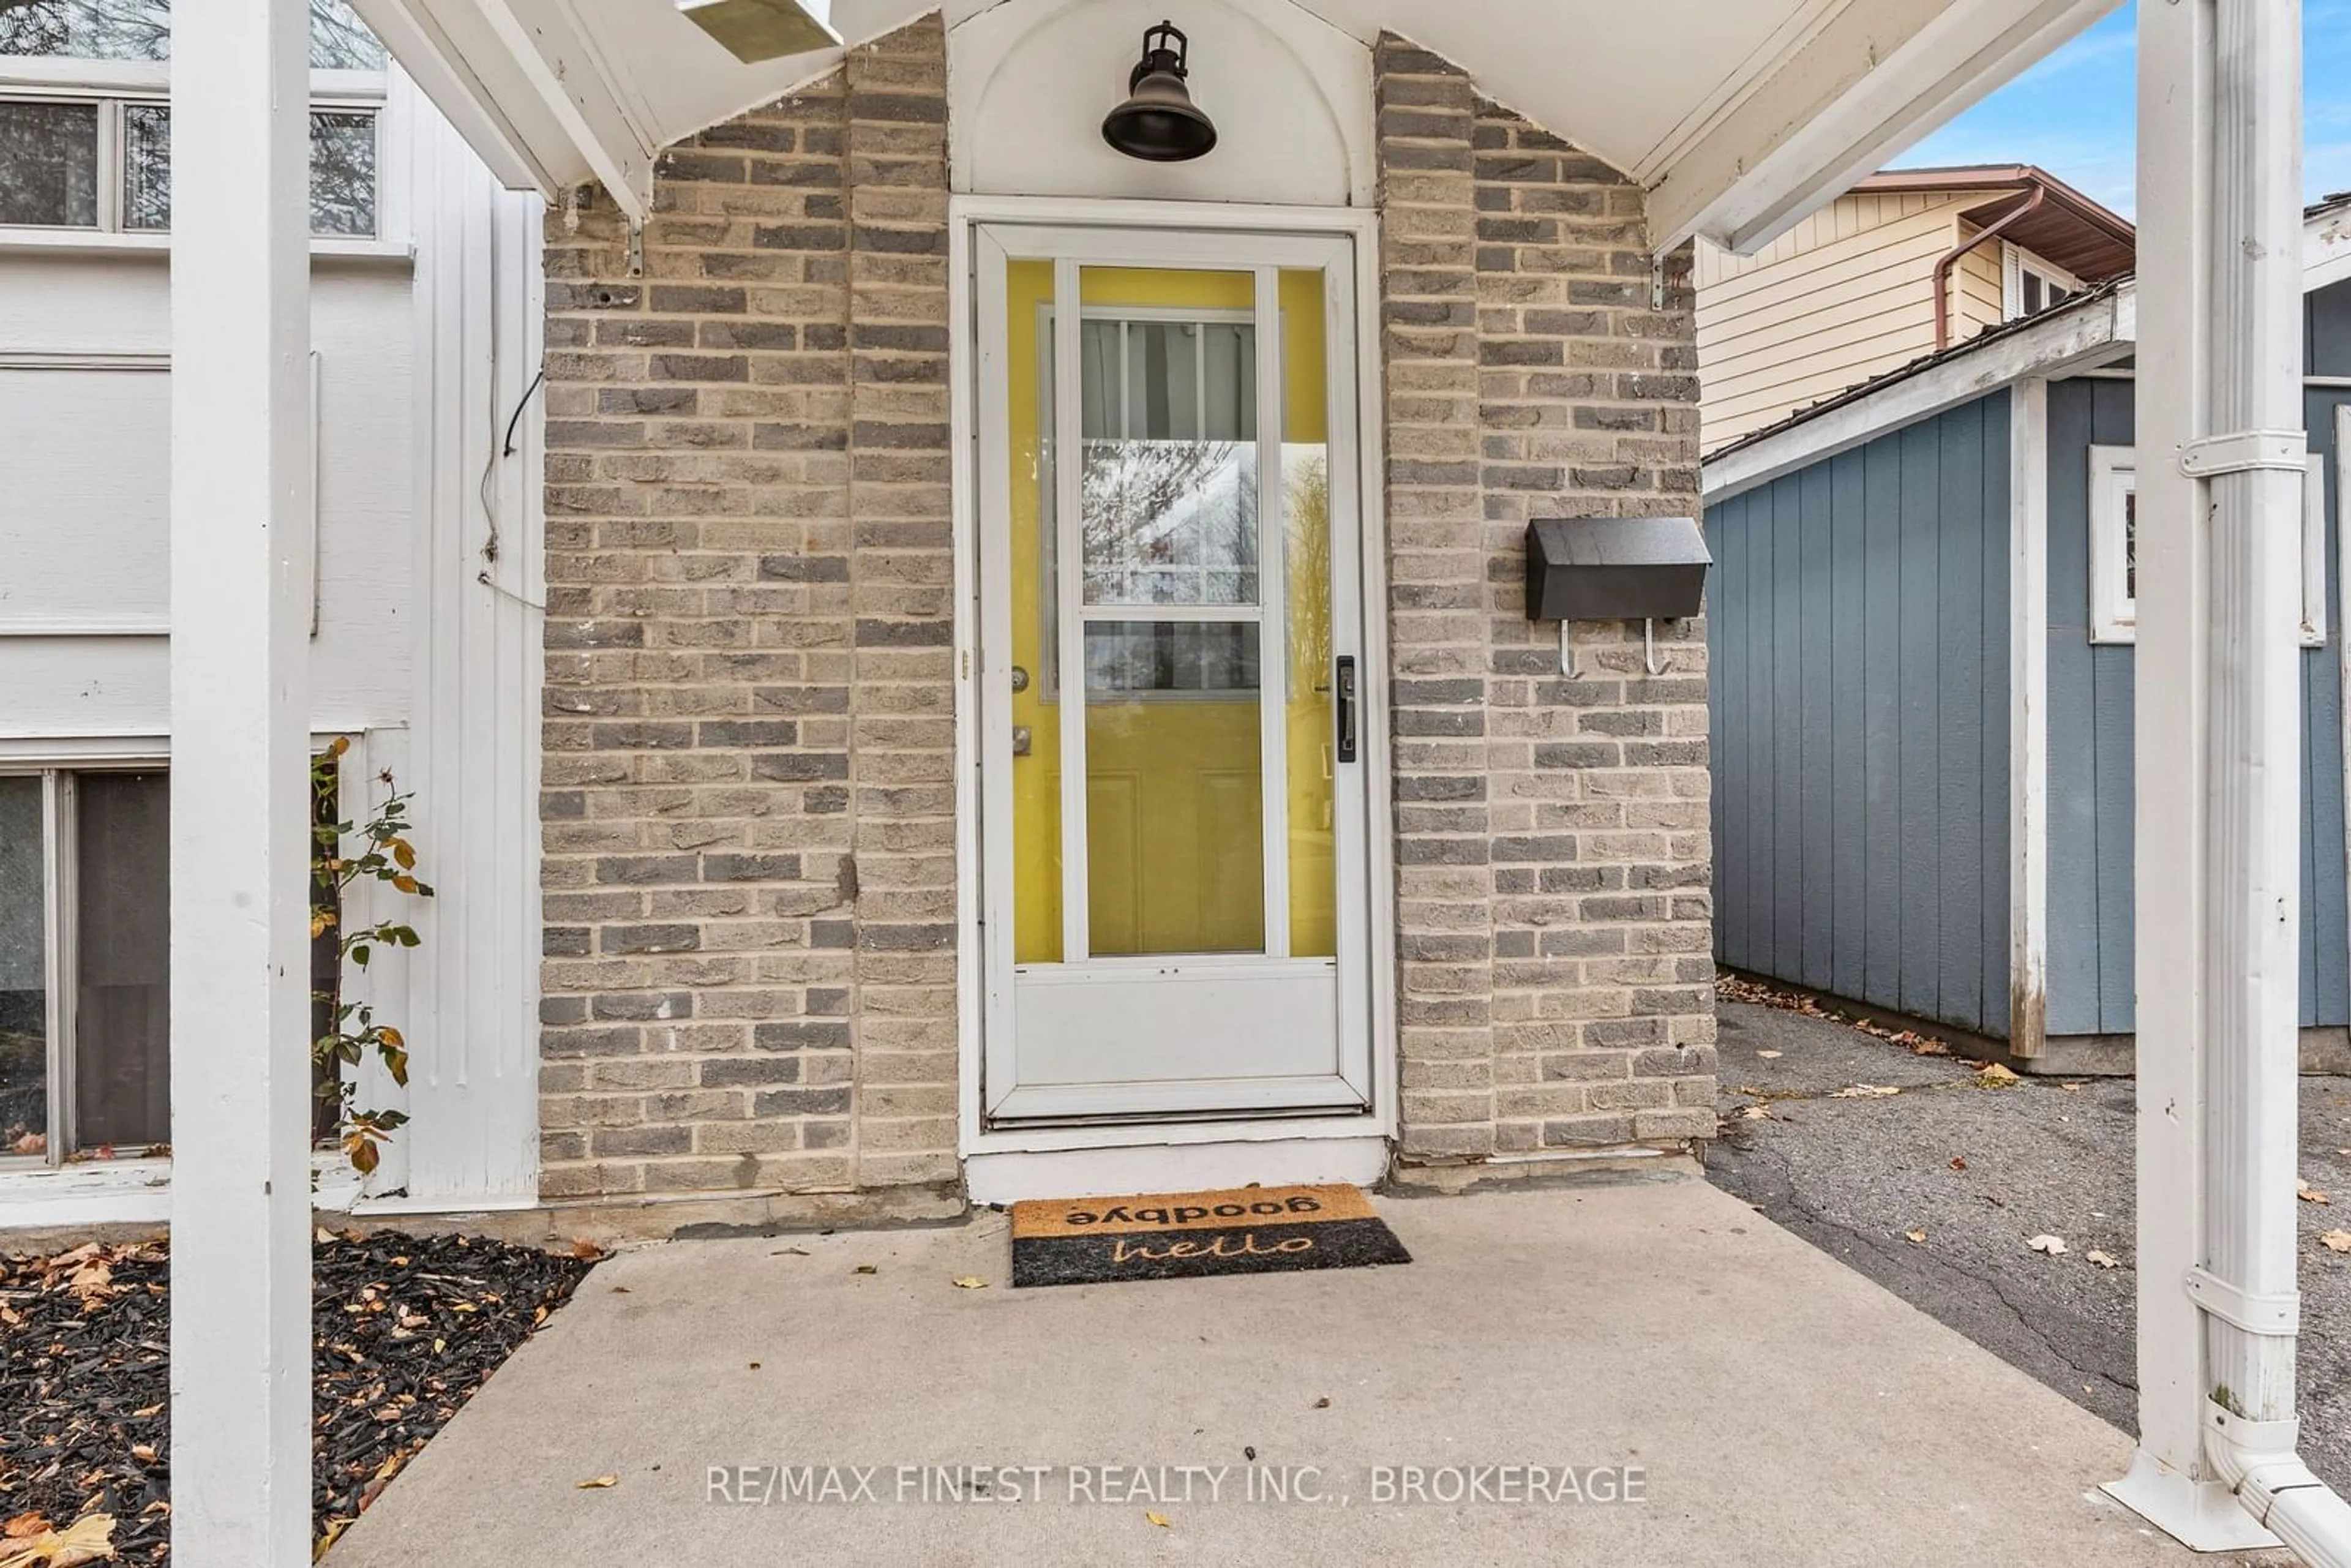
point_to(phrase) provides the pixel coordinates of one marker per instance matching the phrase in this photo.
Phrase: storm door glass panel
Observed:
(24, 971)
(1308, 721)
(1035, 766)
(122, 958)
(1170, 598)
(48, 164)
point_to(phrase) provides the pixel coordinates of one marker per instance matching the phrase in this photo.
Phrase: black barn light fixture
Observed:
(1159, 123)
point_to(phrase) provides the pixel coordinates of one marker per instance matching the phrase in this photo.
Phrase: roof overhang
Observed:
(1740, 115)
(2067, 228)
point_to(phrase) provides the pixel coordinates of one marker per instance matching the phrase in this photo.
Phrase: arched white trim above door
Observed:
(1030, 80)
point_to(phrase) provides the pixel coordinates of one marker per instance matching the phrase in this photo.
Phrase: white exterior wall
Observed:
(423, 346)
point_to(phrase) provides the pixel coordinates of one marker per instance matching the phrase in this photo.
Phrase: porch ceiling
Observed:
(1740, 115)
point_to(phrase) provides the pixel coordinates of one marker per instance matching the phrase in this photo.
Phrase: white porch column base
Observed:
(2203, 1516)
(240, 533)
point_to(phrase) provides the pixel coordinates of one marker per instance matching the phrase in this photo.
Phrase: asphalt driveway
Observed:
(1934, 1190)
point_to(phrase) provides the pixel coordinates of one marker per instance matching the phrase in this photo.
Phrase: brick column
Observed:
(901, 570)
(1554, 921)
(748, 809)
(1437, 602)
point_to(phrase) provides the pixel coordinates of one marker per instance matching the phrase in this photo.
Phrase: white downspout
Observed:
(2221, 441)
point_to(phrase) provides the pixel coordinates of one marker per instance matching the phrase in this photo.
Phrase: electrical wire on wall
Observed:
(502, 449)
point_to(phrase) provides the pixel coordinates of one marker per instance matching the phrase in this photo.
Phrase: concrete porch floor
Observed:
(1785, 1410)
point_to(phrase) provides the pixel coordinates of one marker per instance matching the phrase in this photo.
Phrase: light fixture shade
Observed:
(1159, 123)
(757, 30)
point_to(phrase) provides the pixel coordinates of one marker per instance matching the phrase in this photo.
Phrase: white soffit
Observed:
(1741, 115)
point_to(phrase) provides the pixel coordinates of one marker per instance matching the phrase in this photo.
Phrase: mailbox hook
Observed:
(1649, 660)
(1566, 651)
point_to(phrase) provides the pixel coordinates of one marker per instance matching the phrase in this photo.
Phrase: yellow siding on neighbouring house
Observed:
(1845, 296)
(1978, 300)
(1842, 296)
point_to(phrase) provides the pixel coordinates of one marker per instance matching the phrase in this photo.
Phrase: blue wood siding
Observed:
(1857, 629)
(2090, 731)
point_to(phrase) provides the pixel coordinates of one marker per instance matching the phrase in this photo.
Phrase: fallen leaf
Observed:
(2045, 1243)
(970, 1282)
(1771, 1055)
(1323, 1402)
(1995, 1076)
(584, 1248)
(2073, 1088)
(597, 1483)
(1755, 1112)
(790, 1252)
(2309, 1193)
(23, 1525)
(90, 1538)
(1158, 1519)
(1864, 1091)
(1917, 1236)
(31, 1143)
(2336, 1240)
(867, 1269)
(1930, 1048)
(1958, 1162)
(2102, 1259)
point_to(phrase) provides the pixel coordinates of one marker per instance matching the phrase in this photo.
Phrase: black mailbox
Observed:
(1615, 568)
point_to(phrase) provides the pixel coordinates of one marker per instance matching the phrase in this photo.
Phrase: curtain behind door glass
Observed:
(122, 1004)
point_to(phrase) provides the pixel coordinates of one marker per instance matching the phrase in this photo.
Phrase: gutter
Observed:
(1950, 258)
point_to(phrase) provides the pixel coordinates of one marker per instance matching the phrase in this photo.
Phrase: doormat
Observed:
(1180, 1235)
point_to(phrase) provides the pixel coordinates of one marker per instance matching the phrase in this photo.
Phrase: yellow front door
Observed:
(1169, 642)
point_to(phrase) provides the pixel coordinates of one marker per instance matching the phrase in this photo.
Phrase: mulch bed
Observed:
(406, 1328)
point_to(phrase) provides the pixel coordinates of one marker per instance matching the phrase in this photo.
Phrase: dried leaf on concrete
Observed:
(2104, 1260)
(2046, 1243)
(2336, 1240)
(1864, 1091)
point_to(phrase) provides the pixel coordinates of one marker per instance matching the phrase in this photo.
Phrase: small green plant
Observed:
(385, 855)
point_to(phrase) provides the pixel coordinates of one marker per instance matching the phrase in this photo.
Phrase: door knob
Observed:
(1020, 740)
(1019, 679)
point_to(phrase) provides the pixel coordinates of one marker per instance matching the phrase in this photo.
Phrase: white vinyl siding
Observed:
(1844, 296)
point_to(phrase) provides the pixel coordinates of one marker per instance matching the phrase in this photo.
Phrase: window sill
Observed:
(128, 1192)
(89, 242)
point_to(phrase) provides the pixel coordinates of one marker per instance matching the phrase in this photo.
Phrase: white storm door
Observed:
(1174, 890)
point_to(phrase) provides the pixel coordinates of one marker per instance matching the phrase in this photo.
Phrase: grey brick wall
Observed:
(748, 806)
(748, 813)
(1553, 912)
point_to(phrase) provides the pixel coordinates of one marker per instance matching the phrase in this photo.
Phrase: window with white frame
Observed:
(85, 117)
(2114, 548)
(85, 962)
(2030, 286)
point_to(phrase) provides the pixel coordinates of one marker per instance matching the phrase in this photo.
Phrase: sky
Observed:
(2072, 114)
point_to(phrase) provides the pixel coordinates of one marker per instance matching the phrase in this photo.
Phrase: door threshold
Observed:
(1009, 1175)
(1143, 1121)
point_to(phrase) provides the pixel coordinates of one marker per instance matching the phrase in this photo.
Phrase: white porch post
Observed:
(239, 858)
(2219, 427)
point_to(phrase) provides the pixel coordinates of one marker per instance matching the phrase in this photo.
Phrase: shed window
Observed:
(2114, 548)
